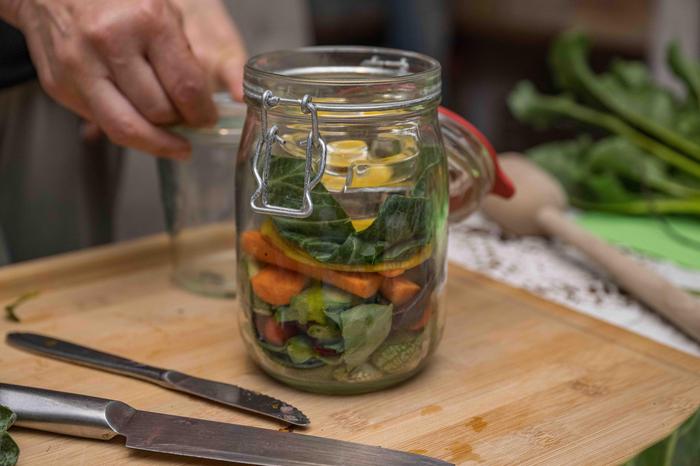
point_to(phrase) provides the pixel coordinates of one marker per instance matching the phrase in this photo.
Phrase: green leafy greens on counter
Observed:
(650, 163)
(402, 227)
(9, 451)
(680, 448)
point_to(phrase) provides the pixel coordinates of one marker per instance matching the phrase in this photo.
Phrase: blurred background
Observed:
(484, 46)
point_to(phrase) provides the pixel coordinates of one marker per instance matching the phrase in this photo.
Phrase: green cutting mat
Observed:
(648, 235)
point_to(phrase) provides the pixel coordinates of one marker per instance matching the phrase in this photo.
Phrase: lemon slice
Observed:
(360, 224)
(269, 231)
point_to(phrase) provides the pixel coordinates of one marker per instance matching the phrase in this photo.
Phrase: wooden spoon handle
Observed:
(641, 282)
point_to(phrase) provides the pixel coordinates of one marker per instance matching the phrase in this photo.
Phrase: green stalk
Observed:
(530, 106)
(673, 188)
(686, 70)
(570, 51)
(642, 207)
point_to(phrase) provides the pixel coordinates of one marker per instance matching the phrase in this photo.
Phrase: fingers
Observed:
(138, 82)
(124, 125)
(230, 73)
(182, 77)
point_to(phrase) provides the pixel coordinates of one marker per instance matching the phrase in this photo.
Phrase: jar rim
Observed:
(386, 69)
(228, 127)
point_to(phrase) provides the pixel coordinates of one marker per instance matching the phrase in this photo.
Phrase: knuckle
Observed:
(188, 91)
(100, 32)
(121, 131)
(68, 58)
(150, 13)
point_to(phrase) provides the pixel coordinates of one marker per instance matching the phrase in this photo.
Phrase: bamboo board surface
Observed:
(516, 380)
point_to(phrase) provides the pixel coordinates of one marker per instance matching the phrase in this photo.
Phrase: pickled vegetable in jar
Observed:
(344, 190)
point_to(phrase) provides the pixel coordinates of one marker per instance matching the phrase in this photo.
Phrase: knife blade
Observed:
(227, 394)
(91, 417)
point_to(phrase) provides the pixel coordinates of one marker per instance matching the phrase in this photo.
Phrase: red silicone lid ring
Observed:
(502, 185)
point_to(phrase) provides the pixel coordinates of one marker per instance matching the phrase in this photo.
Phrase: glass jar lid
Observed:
(344, 79)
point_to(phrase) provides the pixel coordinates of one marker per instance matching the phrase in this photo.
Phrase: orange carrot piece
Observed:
(399, 290)
(392, 273)
(427, 314)
(361, 284)
(272, 332)
(277, 286)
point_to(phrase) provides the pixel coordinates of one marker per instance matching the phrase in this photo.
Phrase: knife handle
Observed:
(65, 413)
(70, 352)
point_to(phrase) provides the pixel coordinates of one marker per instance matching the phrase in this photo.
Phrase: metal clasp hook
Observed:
(259, 201)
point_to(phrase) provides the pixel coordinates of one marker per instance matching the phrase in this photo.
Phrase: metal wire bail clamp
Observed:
(259, 201)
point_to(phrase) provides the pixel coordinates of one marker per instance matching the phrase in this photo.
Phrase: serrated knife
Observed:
(230, 395)
(86, 416)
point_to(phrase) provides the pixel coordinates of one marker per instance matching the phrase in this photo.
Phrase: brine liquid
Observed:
(363, 174)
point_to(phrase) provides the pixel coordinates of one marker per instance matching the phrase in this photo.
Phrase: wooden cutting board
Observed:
(516, 380)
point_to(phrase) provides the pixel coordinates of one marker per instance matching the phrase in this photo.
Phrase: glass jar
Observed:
(198, 197)
(343, 194)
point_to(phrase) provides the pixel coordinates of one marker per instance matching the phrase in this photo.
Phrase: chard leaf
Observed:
(7, 418)
(609, 172)
(680, 448)
(312, 304)
(403, 225)
(327, 335)
(400, 353)
(9, 451)
(299, 349)
(626, 94)
(364, 328)
(542, 111)
(686, 70)
(285, 314)
(11, 309)
(363, 373)
(632, 164)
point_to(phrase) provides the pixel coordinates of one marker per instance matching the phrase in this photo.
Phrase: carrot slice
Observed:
(392, 273)
(427, 314)
(272, 332)
(362, 284)
(277, 286)
(399, 290)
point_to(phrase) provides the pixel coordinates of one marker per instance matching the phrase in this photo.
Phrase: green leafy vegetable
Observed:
(324, 333)
(11, 309)
(364, 328)
(612, 174)
(637, 100)
(651, 164)
(311, 303)
(299, 349)
(400, 353)
(687, 71)
(542, 111)
(363, 373)
(681, 448)
(9, 451)
(402, 227)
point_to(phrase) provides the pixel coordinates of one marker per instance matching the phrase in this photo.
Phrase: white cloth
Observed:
(560, 274)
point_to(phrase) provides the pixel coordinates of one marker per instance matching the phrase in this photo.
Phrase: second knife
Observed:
(224, 393)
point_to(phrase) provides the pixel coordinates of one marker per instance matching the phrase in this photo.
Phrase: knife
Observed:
(224, 393)
(99, 418)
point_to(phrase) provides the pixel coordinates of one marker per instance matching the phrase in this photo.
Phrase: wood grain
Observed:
(516, 380)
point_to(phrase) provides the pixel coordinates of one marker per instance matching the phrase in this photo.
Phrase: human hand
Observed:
(126, 66)
(216, 43)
